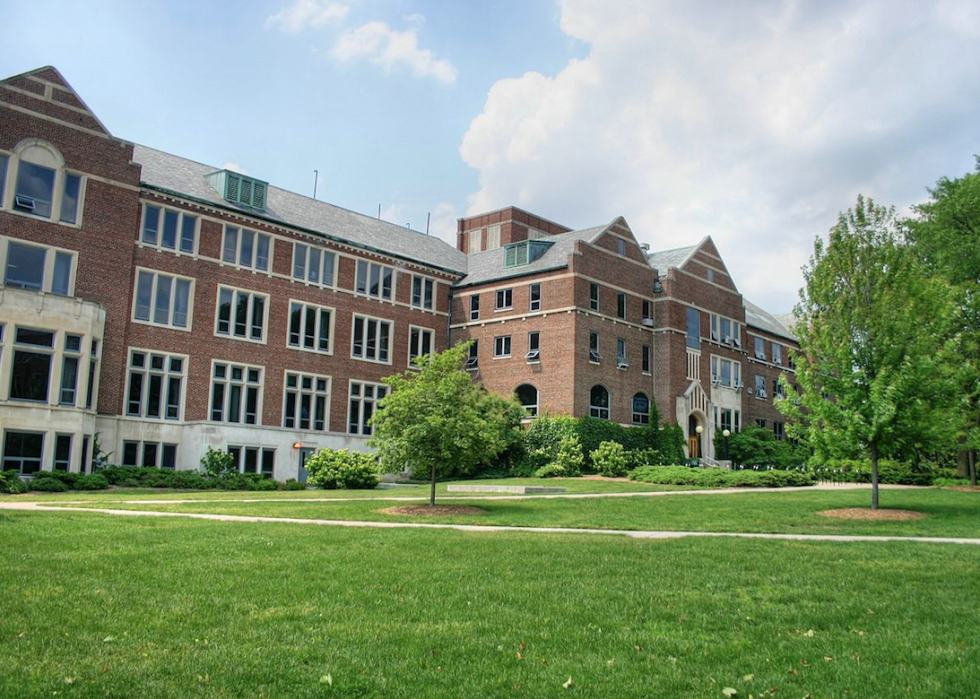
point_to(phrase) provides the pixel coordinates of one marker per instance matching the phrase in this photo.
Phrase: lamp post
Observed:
(699, 430)
(726, 434)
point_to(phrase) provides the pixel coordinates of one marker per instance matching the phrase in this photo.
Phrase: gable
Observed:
(46, 93)
(705, 263)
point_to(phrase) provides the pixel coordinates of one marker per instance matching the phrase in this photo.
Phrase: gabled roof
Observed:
(51, 75)
(489, 265)
(664, 260)
(189, 179)
(760, 319)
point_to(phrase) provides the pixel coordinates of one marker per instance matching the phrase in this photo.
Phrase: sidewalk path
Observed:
(38, 507)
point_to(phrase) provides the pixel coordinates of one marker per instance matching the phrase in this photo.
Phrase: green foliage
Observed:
(218, 464)
(92, 481)
(292, 484)
(720, 478)
(542, 441)
(334, 469)
(437, 421)
(567, 461)
(10, 482)
(890, 471)
(756, 446)
(48, 485)
(610, 459)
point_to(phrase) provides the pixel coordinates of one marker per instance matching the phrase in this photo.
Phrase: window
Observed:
(374, 280)
(725, 372)
(594, 355)
(501, 346)
(371, 339)
(779, 430)
(760, 386)
(533, 347)
(621, 305)
(476, 241)
(150, 455)
(235, 393)
(22, 451)
(620, 246)
(246, 248)
(725, 419)
(646, 359)
(710, 275)
(259, 460)
(241, 314)
(599, 402)
(535, 294)
(777, 354)
(693, 328)
(475, 307)
(422, 292)
(162, 299)
(169, 229)
(505, 298)
(725, 331)
(522, 253)
(69, 370)
(473, 356)
(309, 327)
(621, 353)
(419, 343)
(38, 268)
(594, 296)
(3, 174)
(156, 385)
(307, 401)
(93, 371)
(31, 371)
(313, 265)
(44, 188)
(777, 389)
(528, 397)
(641, 409)
(364, 398)
(646, 311)
(62, 453)
(759, 422)
(760, 348)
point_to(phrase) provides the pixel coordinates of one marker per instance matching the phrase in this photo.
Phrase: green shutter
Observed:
(232, 183)
(510, 259)
(258, 196)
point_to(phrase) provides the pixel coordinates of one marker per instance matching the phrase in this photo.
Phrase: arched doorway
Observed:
(695, 446)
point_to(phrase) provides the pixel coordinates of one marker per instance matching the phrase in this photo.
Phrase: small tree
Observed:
(218, 464)
(436, 420)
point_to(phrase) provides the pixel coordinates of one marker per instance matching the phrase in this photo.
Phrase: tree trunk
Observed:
(874, 475)
(432, 491)
(971, 458)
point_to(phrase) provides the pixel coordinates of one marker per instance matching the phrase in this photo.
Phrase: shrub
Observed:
(190, 480)
(49, 485)
(756, 446)
(720, 478)
(890, 472)
(567, 462)
(10, 482)
(218, 464)
(292, 484)
(610, 459)
(542, 441)
(339, 468)
(95, 481)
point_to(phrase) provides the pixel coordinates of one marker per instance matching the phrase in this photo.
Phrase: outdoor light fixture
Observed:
(699, 429)
(297, 445)
(658, 287)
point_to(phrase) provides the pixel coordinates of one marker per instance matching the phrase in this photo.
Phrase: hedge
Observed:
(720, 478)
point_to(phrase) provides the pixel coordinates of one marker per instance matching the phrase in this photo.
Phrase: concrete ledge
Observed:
(520, 489)
(394, 486)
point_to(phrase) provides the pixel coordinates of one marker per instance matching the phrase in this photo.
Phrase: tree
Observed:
(436, 420)
(874, 332)
(944, 232)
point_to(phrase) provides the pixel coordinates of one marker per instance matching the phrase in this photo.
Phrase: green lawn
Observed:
(99, 606)
(950, 513)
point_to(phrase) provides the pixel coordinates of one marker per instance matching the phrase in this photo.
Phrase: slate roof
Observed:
(663, 260)
(188, 178)
(763, 320)
(489, 265)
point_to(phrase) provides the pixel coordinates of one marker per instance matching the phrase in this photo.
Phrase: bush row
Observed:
(140, 477)
(720, 478)
(890, 472)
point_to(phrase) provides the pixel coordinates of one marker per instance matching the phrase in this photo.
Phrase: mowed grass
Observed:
(100, 606)
(948, 513)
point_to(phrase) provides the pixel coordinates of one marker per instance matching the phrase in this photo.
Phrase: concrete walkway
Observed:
(39, 507)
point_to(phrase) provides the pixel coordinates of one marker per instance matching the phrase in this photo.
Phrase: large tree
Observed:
(437, 421)
(874, 335)
(945, 233)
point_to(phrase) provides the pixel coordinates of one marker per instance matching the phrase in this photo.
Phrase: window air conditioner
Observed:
(648, 322)
(622, 365)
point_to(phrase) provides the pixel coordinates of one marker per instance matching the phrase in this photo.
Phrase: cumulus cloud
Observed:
(234, 167)
(307, 14)
(392, 49)
(755, 123)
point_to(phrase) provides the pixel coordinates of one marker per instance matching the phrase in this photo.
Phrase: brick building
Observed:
(168, 306)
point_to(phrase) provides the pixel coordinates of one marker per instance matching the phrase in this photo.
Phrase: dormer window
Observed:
(524, 252)
(41, 186)
(239, 189)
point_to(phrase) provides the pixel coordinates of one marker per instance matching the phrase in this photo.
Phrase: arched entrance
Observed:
(695, 445)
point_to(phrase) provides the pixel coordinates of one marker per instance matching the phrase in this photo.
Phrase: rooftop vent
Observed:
(238, 189)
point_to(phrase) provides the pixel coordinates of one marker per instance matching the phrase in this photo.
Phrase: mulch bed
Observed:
(868, 513)
(963, 488)
(433, 510)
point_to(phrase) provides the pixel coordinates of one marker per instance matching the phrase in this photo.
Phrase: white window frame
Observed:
(505, 297)
(426, 297)
(416, 343)
(307, 251)
(182, 217)
(734, 372)
(365, 335)
(154, 290)
(50, 263)
(533, 355)
(232, 331)
(534, 304)
(622, 361)
(253, 262)
(51, 159)
(474, 312)
(240, 452)
(307, 308)
(300, 391)
(245, 384)
(362, 415)
(166, 375)
(141, 446)
(364, 274)
(502, 347)
(717, 334)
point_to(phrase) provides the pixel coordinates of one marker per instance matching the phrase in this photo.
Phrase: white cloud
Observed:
(305, 14)
(391, 49)
(754, 123)
(234, 167)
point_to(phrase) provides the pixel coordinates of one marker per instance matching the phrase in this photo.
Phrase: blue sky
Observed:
(753, 122)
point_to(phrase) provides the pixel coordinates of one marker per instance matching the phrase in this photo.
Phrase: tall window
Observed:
(535, 295)
(246, 248)
(533, 347)
(371, 339)
(693, 328)
(149, 455)
(162, 299)
(641, 409)
(70, 364)
(647, 313)
(42, 186)
(260, 460)
(37, 267)
(760, 348)
(313, 265)
(777, 389)
(419, 343)
(725, 372)
(306, 402)
(528, 397)
(779, 430)
(475, 307)
(364, 398)
(501, 346)
(309, 327)
(473, 356)
(62, 453)
(422, 291)
(235, 393)
(621, 353)
(599, 402)
(760, 386)
(93, 371)
(169, 229)
(594, 296)
(777, 354)
(241, 314)
(156, 385)
(726, 331)
(31, 371)
(3, 175)
(594, 355)
(374, 280)
(505, 298)
(646, 359)
(22, 451)
(621, 305)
